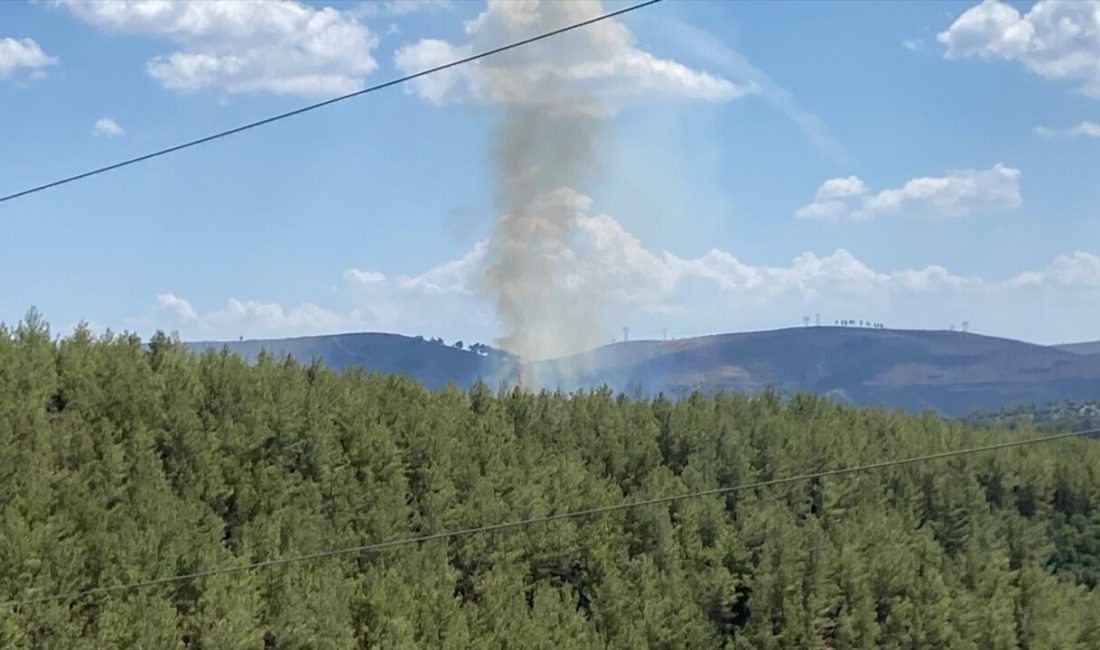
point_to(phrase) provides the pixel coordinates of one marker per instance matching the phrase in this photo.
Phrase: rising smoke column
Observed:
(539, 155)
(543, 146)
(553, 97)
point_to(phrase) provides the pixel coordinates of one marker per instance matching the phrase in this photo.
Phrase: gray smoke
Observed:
(554, 95)
(544, 146)
(540, 153)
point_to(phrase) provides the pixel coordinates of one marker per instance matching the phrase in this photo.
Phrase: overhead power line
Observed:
(521, 523)
(305, 109)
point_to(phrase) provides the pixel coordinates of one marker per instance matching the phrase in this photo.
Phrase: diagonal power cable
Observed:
(311, 107)
(522, 523)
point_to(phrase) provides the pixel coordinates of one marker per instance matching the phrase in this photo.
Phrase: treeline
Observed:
(1052, 416)
(121, 462)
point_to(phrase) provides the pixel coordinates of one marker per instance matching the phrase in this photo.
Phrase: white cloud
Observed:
(840, 188)
(279, 46)
(609, 261)
(711, 292)
(270, 318)
(454, 277)
(598, 63)
(364, 277)
(1084, 129)
(957, 193)
(373, 8)
(108, 127)
(23, 54)
(254, 318)
(179, 306)
(1056, 40)
(1077, 270)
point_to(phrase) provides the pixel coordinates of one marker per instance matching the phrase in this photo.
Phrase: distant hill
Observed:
(1091, 347)
(950, 372)
(432, 363)
(954, 373)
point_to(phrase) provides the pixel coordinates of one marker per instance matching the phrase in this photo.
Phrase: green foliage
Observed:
(1060, 415)
(121, 462)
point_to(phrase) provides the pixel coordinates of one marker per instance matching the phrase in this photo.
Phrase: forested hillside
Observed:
(953, 373)
(1062, 416)
(429, 361)
(121, 462)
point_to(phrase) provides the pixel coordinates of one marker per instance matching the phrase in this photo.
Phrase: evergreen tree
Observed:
(121, 462)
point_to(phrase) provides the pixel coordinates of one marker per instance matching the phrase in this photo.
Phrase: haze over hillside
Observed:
(1089, 347)
(950, 372)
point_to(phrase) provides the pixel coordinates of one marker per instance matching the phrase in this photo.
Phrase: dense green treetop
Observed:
(122, 461)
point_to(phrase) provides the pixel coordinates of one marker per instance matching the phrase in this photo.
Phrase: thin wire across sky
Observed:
(523, 523)
(327, 102)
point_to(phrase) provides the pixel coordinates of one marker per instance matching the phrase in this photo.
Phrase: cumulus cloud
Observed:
(840, 188)
(23, 55)
(1077, 269)
(272, 318)
(255, 318)
(957, 193)
(600, 62)
(711, 292)
(364, 277)
(1084, 129)
(107, 127)
(454, 277)
(279, 46)
(606, 260)
(374, 8)
(179, 306)
(1056, 40)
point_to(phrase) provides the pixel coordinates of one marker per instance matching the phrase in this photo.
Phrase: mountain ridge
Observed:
(1084, 347)
(946, 371)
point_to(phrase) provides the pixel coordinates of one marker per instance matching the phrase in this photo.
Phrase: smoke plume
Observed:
(539, 155)
(543, 146)
(553, 97)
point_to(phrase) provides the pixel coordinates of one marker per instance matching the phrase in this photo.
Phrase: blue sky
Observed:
(916, 163)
